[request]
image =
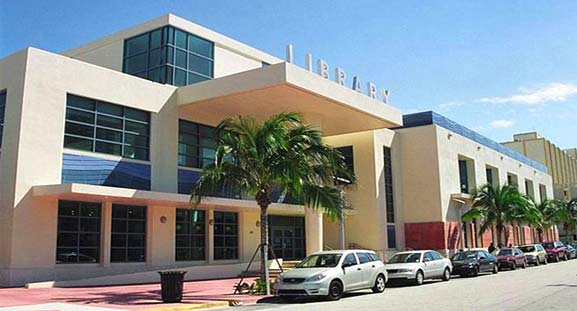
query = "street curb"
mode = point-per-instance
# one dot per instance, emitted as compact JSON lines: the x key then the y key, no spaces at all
{"x":192,"y":306}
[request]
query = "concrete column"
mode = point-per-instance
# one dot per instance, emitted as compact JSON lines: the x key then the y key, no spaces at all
{"x":210,"y":236}
{"x":106,"y":229}
{"x":313,"y":230}
{"x":160,"y":235}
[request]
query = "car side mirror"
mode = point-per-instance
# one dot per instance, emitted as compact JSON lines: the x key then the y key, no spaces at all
{"x":426,"y":260}
{"x":346,"y":264}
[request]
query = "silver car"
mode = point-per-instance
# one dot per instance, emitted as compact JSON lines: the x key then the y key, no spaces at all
{"x":417,"y":266}
{"x":333,"y":273}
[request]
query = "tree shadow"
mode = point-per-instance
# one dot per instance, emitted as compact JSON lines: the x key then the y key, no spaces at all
{"x":307,"y":299}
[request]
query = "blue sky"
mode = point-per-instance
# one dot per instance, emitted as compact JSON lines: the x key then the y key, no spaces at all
{"x":498,"y":67}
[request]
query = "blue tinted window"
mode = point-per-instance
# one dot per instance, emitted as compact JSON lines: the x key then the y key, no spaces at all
{"x":196,"y":144}
{"x":154,"y":55}
{"x":2,"y":111}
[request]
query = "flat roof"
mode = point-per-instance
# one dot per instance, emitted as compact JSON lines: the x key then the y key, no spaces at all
{"x":431,"y":117}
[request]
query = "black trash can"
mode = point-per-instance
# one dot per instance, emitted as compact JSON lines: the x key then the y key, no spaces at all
{"x":171,"y":283}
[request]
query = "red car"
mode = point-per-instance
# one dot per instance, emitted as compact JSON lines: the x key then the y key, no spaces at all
{"x":556,"y":251}
{"x":511,"y":258}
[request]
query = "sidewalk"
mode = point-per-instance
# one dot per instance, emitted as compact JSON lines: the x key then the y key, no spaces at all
{"x":128,"y":297}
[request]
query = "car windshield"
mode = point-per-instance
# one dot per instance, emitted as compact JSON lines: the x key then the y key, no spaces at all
{"x":465,"y":255}
{"x":405,"y":258}
{"x":527,"y":249}
{"x":320,"y":261}
{"x":548,"y":245}
{"x":505,"y":252}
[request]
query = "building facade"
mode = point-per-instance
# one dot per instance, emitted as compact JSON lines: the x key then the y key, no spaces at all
{"x":442,"y":162}
{"x":562,"y":164}
{"x":101,"y":145}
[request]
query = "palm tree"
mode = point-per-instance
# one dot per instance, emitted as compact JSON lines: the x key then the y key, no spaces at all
{"x":497,"y":207}
{"x":568,"y":214}
{"x":279,"y":154}
{"x":548,"y":215}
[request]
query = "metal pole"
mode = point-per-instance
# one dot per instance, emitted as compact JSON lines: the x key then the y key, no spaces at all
{"x":342,"y":222}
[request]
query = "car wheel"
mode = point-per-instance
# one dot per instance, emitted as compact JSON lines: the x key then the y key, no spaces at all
{"x":419,"y":278}
{"x":495,"y":269}
{"x":537,"y":262}
{"x":475,"y":271}
{"x":335,"y":290}
{"x":380,"y":284}
{"x":446,"y":274}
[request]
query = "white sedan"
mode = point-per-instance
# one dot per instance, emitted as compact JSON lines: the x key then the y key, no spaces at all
{"x":418,"y":266}
{"x":333,"y":273}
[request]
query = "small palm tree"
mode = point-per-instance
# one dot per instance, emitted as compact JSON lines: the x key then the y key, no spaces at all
{"x":548,"y":215}
{"x":497,"y":207}
{"x":279,"y":154}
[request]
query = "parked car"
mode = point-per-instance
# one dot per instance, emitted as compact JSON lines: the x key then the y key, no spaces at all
{"x":417,"y":266}
{"x":535,"y":253}
{"x":511,"y":258}
{"x":333,"y":273}
{"x":556,"y":251}
{"x":571,"y":251}
{"x":473,"y":262}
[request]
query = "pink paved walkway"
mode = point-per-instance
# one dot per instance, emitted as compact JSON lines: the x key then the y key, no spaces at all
{"x":129,"y":297}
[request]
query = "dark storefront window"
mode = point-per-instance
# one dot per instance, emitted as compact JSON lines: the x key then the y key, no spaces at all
{"x":169,"y":55}
{"x":128,"y":241}
{"x":225,"y":235}
{"x":190,"y":235}
{"x":97,"y":126}
{"x":78,"y":232}
{"x":389,"y":190}
{"x":463,"y":176}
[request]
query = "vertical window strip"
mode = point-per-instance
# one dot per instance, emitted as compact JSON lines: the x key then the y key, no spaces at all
{"x":225,"y":235}
{"x":190,"y":234}
{"x":3,"y":95}
{"x":389,"y":190}
{"x":128,"y":236}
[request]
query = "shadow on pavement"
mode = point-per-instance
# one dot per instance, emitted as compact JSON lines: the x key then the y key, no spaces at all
{"x":304,"y":300}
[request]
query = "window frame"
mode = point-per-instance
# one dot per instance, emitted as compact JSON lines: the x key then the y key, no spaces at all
{"x":79,"y":232}
{"x":199,"y":133}
{"x":126,"y":234}
{"x":98,"y":126}
{"x":225,"y":236}
{"x":190,"y":235}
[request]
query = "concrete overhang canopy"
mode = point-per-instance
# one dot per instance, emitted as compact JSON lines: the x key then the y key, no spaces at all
{"x":463,"y":198}
{"x":150,"y":198}
{"x":285,"y":87}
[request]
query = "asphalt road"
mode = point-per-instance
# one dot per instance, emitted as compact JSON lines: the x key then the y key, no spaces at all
{"x":550,"y":287}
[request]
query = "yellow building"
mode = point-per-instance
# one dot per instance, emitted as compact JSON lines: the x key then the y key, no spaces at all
{"x":562,"y":164}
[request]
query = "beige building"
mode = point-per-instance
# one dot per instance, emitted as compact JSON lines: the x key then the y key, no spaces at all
{"x":562,"y":164}
{"x":102,"y":144}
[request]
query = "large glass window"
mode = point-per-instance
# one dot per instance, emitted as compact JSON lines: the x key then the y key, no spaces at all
{"x":190,"y":235}
{"x":225,"y":235}
{"x":196,"y":144}
{"x":391,"y":236}
{"x":78,"y":232}
{"x":463,"y":176}
{"x":2,"y":111}
{"x":97,"y":126}
{"x":169,"y":55}
{"x":389,"y":193}
{"x":128,"y":240}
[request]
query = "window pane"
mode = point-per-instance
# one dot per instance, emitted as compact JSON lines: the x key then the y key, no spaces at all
{"x":136,"y":45}
{"x":136,"y":140}
{"x":112,"y":109}
{"x":136,"y":114}
{"x":156,"y":75}
{"x":81,"y":102}
{"x":200,"y":46}
{"x":80,"y":116}
{"x":108,"y":148}
{"x":136,"y":127}
{"x":136,"y":63}
{"x":79,"y":129}
{"x":128,"y":233}
{"x":180,"y":38}
{"x":135,"y":153}
{"x":156,"y":38}
{"x":111,"y":122}
{"x":169,"y":74}
{"x":179,"y":77}
{"x":200,"y":65}
{"x":155,"y":58}
{"x":180,"y":59}
{"x":194,"y":78}
{"x":78,"y":143}
{"x":111,"y":135}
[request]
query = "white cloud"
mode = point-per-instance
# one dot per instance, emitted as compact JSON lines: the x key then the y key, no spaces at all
{"x":449,"y":105}
{"x":502,"y":123}
{"x":553,"y":92}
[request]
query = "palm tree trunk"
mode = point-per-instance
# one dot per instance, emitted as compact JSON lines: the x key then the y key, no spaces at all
{"x":264,"y":273}
{"x":499,"y":235}
{"x":540,"y":234}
